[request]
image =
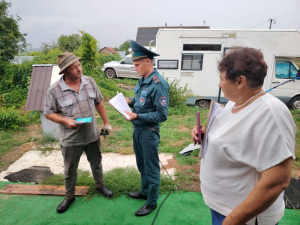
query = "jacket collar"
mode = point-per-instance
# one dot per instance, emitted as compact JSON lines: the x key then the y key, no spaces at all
{"x":149,"y":78}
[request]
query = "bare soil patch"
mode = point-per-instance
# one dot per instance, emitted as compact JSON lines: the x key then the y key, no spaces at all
{"x":183,"y":128}
{"x":34,"y":131}
{"x":191,"y":172}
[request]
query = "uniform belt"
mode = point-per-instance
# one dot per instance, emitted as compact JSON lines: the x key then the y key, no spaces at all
{"x":155,"y":129}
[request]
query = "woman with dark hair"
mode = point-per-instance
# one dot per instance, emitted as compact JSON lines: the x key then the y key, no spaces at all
{"x":250,"y":146}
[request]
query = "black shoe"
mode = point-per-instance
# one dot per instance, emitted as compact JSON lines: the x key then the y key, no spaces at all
{"x":105,"y":192}
{"x":64,"y":205}
{"x":145,"y":210}
{"x":137,"y":195}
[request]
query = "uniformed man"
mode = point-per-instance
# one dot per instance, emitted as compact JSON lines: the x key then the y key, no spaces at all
{"x":77,"y":96}
{"x":150,"y":107}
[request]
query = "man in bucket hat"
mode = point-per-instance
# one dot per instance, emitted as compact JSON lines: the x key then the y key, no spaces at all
{"x":76,"y":96}
{"x":150,"y":107}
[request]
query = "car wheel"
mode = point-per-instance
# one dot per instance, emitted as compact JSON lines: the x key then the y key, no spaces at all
{"x":110,"y":73}
{"x":295,"y":103}
{"x":203,"y":104}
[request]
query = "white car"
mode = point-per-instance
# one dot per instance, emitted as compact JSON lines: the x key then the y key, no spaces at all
{"x":123,"y":68}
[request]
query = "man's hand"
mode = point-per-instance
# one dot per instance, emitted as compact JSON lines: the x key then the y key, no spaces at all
{"x":71,"y":124}
{"x":132,"y":116}
{"x":105,"y":130}
{"x":127,"y":100}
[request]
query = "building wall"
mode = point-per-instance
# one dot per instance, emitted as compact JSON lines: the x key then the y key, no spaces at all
{"x":49,"y":128}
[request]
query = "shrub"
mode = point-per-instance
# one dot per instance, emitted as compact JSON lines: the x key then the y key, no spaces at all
{"x":107,"y":86}
{"x":14,"y":76}
{"x":15,"y":98}
{"x":10,"y":119}
{"x":102,"y":58}
{"x":48,"y":58}
{"x":176,"y":94}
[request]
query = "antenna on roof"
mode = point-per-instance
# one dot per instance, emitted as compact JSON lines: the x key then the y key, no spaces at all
{"x":204,"y":22}
{"x":271,"y":21}
{"x":165,"y":24}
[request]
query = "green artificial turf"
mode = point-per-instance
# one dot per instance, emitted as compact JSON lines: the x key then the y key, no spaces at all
{"x":179,"y":208}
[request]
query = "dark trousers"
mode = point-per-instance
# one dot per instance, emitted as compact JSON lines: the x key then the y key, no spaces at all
{"x":72,"y":156}
{"x":145,"y":144}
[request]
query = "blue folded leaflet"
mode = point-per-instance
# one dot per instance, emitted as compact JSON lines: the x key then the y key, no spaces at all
{"x":84,"y":120}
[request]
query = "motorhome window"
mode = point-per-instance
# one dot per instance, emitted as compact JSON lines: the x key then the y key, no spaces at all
{"x":201,"y":47}
{"x":285,"y":70}
{"x":154,"y":61}
{"x":127,"y":60}
{"x":167,"y":64}
{"x":192,"y":61}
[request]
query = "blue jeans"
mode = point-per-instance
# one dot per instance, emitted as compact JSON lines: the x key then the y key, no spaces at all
{"x":217,"y":218}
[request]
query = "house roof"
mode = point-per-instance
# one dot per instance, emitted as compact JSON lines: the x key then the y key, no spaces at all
{"x":39,"y":84}
{"x":110,"y":49}
{"x":146,"y":34}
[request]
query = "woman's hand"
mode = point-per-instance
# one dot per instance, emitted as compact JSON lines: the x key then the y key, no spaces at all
{"x":194,"y":133}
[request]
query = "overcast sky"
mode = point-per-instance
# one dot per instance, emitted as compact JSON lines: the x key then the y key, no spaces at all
{"x":112,"y":22}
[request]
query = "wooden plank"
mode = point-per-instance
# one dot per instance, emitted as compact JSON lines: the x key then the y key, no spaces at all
{"x":22,"y":189}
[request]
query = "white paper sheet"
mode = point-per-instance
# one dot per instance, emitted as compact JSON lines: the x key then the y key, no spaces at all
{"x":120,"y":104}
{"x":215,"y":111}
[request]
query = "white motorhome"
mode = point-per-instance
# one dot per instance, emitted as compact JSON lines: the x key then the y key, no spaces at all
{"x":191,"y":56}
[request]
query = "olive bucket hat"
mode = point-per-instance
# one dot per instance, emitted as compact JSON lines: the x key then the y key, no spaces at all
{"x":66,"y":59}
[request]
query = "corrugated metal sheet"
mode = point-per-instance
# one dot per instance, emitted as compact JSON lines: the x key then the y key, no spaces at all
{"x":146,"y":34}
{"x":39,"y":84}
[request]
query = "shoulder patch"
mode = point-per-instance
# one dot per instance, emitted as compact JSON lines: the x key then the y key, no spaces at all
{"x":156,"y":80}
{"x":163,"y":101}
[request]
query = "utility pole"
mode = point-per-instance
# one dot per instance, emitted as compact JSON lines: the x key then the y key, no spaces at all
{"x":271,"y":20}
{"x":204,"y":22}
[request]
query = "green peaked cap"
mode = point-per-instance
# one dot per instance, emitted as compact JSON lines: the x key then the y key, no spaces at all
{"x":140,"y":52}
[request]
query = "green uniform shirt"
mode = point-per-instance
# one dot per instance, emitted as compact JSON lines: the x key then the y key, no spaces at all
{"x":151,"y":100}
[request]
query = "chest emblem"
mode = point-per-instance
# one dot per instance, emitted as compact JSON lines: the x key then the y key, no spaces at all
{"x":163,"y":101}
{"x":142,"y":101}
{"x":145,"y":92}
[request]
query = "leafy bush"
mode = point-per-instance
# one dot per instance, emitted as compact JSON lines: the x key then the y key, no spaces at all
{"x":88,"y":49}
{"x":102,"y":58}
{"x":10,"y":119}
{"x":14,"y":76}
{"x":49,"y":58}
{"x":176,"y":94}
{"x":15,"y":98}
{"x":107,"y":86}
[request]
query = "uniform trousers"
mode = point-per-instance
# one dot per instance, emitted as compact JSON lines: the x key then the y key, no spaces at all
{"x":72,"y":156}
{"x":145,"y":144}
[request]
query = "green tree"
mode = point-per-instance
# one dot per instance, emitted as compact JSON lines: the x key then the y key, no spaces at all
{"x":125,"y":46}
{"x":69,"y":43}
{"x":46,"y":47}
{"x":88,"y":49}
{"x":12,"y":40}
